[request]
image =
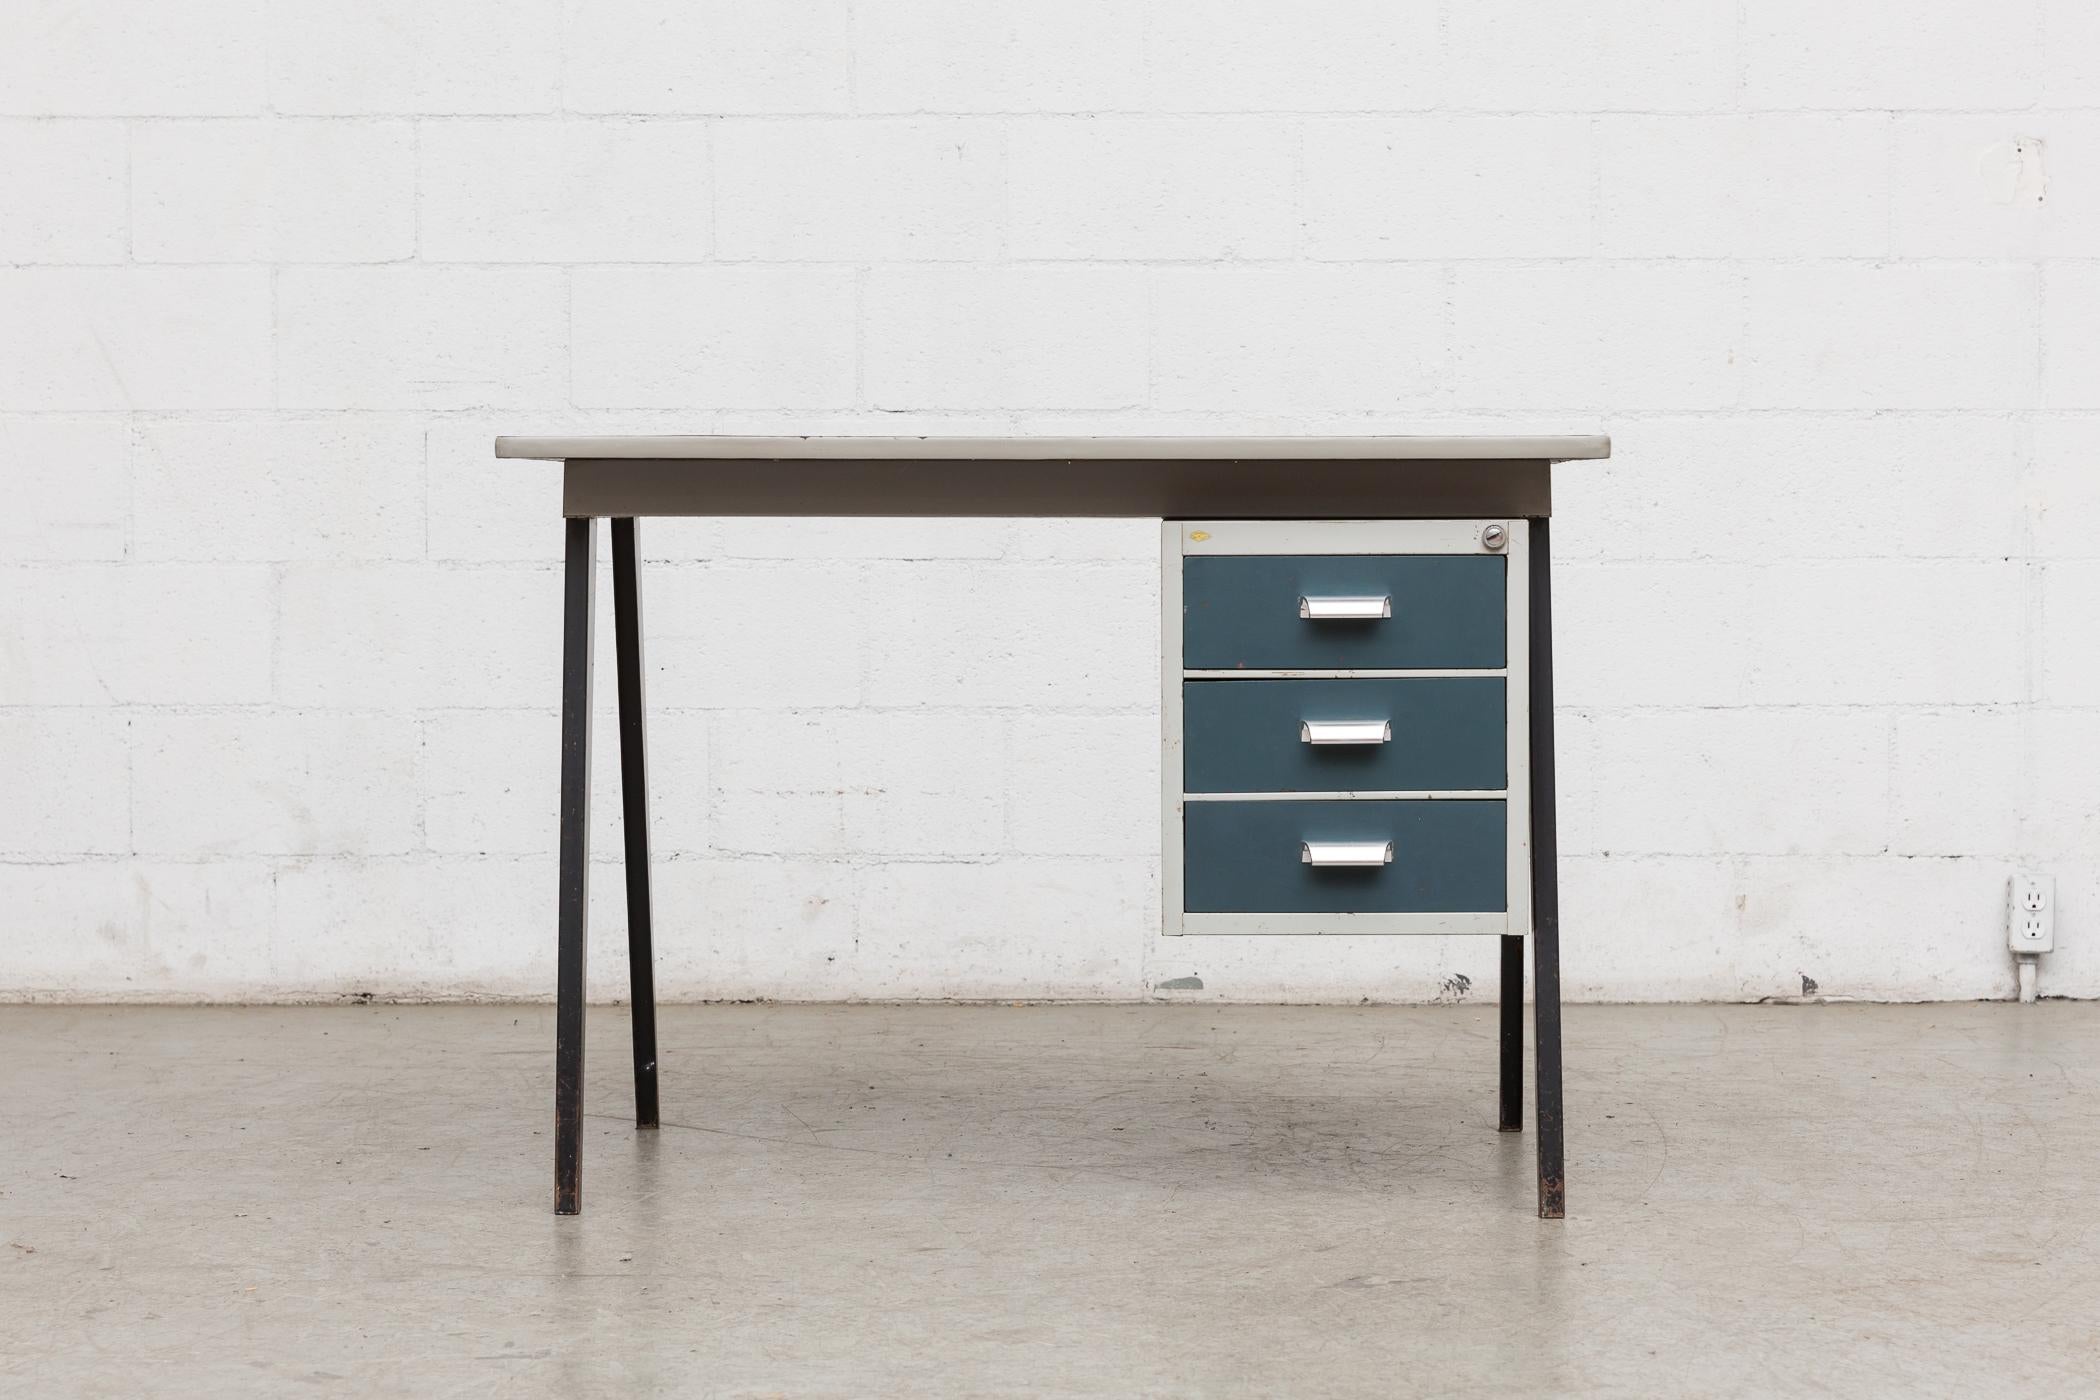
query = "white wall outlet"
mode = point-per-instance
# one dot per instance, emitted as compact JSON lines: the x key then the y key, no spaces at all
{"x":2030,"y":913}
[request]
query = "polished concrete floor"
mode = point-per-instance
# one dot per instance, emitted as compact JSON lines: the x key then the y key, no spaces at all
{"x":1053,"y":1201}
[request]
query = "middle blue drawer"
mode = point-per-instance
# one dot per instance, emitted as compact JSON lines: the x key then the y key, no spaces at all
{"x":1438,"y":733}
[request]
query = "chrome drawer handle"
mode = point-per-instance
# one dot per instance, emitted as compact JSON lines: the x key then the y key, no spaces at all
{"x":1346,"y":853}
{"x":1345,"y":609}
{"x":1345,"y":731}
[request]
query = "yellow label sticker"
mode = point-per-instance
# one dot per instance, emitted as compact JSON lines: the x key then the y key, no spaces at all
{"x":1199,"y":534}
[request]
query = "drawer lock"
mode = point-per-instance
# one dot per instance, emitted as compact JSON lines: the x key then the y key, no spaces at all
{"x":1346,"y":853}
{"x":1346,"y":731}
{"x":1345,"y":609}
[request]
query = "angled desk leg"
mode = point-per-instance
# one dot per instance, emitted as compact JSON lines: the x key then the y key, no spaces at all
{"x":634,"y":813}
{"x":1511,"y":1117}
{"x":1545,"y":886}
{"x":579,"y":588}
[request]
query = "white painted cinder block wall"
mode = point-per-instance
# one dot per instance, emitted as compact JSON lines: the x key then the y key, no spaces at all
{"x":278,"y":636}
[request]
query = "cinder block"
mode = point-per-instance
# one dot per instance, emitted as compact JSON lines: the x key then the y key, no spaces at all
{"x":1886,"y":632}
{"x":205,"y":58}
{"x":1768,"y":185}
{"x":1005,"y":337}
{"x":1921,"y":54}
{"x":1320,"y":55}
{"x":2070,"y":662}
{"x":1867,"y":632}
{"x":126,"y":930}
{"x":386,"y":56}
{"x":835,"y":781}
{"x":332,"y":488}
{"x":1871,"y":927}
{"x":1350,"y":339}
{"x":130,"y":634}
{"x":1766,"y":487}
{"x":418,"y":636}
{"x":773,"y":337}
{"x":2063,"y":487}
{"x":1581,"y":336}
{"x":405,"y":926}
{"x":1079,"y":785}
{"x":1655,"y":928}
{"x":134,"y":338}
{"x":420,"y":337}
{"x":2059,"y":804}
{"x":754,"y":927}
{"x":818,"y":538}
{"x":1959,"y":782}
{"x":2071,"y":335}
{"x":1819,"y":336}
{"x":1450,"y":187}
{"x":1009,"y":928}
{"x":768,"y":636}
{"x":1735,"y":782}
{"x":564,"y":191}
{"x":706,"y":57}
{"x":68,"y":784}
{"x":79,"y":503}
{"x":1607,"y":55}
{"x":2070,"y":56}
{"x":852,"y":190}
{"x":70,"y":179}
{"x":1142,"y":187}
{"x":490,"y":780}
{"x":273,"y":191}
{"x":962,"y":635}
{"x":2011,"y":185}
{"x":273,"y":783}
{"x":1022,"y":56}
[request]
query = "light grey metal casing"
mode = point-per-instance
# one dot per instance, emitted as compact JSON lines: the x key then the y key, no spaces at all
{"x":1180,"y":539}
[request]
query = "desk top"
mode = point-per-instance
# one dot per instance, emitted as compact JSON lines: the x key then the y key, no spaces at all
{"x":1057,"y":449}
{"x":1262,"y":478}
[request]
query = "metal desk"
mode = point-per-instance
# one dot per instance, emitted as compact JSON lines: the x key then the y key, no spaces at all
{"x":1474,"y":861}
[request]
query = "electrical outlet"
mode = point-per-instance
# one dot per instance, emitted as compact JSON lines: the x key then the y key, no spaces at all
{"x":2030,"y":914}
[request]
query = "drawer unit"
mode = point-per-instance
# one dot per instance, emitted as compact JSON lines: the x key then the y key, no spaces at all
{"x":1345,"y":857}
{"x":1329,"y":611}
{"x":1346,"y":740}
{"x":1388,"y":734}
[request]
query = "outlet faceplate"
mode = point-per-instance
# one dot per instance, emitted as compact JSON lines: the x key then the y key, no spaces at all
{"x":2030,"y":913}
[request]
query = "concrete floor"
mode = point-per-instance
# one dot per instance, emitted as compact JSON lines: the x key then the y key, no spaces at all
{"x":1054,"y":1201}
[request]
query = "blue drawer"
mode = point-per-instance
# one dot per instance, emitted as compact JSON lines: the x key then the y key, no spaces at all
{"x":1447,"y":732}
{"x":1242,"y":611}
{"x":1448,"y":856}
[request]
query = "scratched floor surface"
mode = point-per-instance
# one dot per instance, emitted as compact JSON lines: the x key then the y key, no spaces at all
{"x":1055,"y":1201}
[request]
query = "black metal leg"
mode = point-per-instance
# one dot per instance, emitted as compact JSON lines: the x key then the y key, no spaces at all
{"x":1511,"y":1117}
{"x":579,"y":588}
{"x":1545,"y":886}
{"x":634,"y":813}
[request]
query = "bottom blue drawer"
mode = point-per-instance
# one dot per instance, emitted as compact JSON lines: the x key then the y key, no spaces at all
{"x":1250,"y":857}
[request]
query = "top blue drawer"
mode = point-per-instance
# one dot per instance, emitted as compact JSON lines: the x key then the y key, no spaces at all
{"x":1242,"y":612}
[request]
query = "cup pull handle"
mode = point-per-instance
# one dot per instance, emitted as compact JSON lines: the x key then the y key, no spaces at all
{"x":1345,"y":731}
{"x":1346,"y":853}
{"x":1363,"y":609}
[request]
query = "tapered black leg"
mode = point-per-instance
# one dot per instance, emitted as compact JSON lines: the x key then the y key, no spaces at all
{"x":1511,"y":1117}
{"x":579,"y":587}
{"x":1545,"y":887}
{"x":634,"y":813}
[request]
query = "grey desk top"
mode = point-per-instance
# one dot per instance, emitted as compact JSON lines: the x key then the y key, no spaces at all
{"x":1055,"y":449}
{"x":1291,"y":478}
